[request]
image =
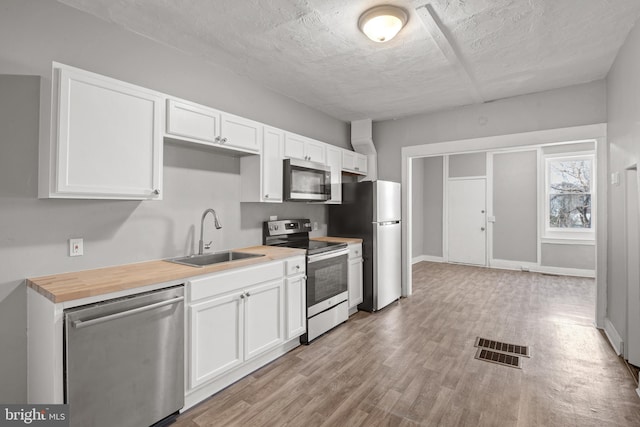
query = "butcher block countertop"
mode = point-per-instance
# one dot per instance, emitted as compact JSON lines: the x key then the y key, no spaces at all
{"x":71,"y":286}
{"x":338,"y":239}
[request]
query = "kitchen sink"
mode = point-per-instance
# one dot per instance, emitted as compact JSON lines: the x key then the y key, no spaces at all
{"x":214,"y":258}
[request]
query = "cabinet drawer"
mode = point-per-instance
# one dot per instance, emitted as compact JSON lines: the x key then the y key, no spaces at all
{"x":355,"y":250}
{"x":231,"y":280}
{"x":295,"y":266}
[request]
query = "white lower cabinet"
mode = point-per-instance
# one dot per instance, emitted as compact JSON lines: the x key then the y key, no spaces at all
{"x":241,"y":319}
{"x":215,"y":350}
{"x":355,"y":275}
{"x":264,"y":318}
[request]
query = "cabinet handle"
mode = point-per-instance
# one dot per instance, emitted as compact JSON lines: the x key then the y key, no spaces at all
{"x":241,"y":296}
{"x":156,"y":191}
{"x":247,"y":294}
{"x":266,"y":196}
{"x":224,"y":140}
{"x":217,"y":139}
{"x":297,"y":267}
{"x":357,"y":168}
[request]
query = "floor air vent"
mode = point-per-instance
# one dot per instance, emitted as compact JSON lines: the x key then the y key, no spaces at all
{"x":497,"y":357}
{"x":519,"y":350}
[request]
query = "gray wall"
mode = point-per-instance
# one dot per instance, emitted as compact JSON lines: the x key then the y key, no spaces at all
{"x":468,"y":164}
{"x":515,"y":206}
{"x":418,"y":207}
{"x":427,"y":190}
{"x":34,"y":233}
{"x":571,"y":106}
{"x":623,"y":135}
{"x":433,"y":206}
{"x":568,"y":256}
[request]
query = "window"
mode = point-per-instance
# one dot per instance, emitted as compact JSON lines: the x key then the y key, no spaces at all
{"x":569,"y":196}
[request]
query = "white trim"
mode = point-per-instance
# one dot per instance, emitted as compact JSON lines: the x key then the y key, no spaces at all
{"x":488,"y":208}
{"x":583,"y":242}
{"x":507,"y":264}
{"x":463,"y":178}
{"x":427,"y":258}
{"x":525,"y":139}
{"x":445,"y":207}
{"x":614,"y":337}
{"x":533,"y":267}
{"x":540,"y":200}
{"x":563,"y":271}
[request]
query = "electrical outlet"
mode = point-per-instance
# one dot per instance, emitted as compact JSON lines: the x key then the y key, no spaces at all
{"x":315,"y":226}
{"x":76,"y":247}
{"x":273,"y":218}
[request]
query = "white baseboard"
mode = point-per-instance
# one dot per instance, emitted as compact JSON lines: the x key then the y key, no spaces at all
{"x":506,"y":264}
{"x":429,"y":258}
{"x":613,"y":336}
{"x":536,"y":268}
{"x":577,"y":272}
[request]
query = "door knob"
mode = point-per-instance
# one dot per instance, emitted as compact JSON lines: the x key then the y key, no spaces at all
{"x":481,"y":228}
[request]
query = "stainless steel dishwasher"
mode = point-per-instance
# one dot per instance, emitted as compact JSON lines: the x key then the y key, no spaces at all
{"x":124,"y":360}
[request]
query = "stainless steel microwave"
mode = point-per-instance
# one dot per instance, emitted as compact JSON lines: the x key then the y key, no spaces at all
{"x":306,"y":181}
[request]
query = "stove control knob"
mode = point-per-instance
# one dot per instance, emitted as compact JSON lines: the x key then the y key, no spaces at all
{"x":276,"y":227}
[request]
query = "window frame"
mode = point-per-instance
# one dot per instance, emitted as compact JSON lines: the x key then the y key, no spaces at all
{"x":569,"y":233}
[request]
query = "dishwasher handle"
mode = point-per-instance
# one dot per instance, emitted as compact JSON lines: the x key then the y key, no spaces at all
{"x":79,"y":324}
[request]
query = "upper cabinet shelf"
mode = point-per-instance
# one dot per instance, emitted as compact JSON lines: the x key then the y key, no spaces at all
{"x":197,"y":123}
{"x":104,"y":139}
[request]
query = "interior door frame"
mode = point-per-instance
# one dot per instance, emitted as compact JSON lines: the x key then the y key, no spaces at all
{"x":594,"y":132}
{"x":630,"y":175}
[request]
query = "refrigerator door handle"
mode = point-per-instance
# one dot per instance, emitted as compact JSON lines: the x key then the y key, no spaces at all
{"x":386,"y":222}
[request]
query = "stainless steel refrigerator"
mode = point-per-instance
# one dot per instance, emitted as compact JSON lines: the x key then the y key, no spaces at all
{"x":371,"y":210}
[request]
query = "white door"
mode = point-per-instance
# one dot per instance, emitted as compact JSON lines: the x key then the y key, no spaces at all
{"x":216,"y":337}
{"x":633,"y":269}
{"x":264,"y":318}
{"x":296,"y":306}
{"x":467,"y":221}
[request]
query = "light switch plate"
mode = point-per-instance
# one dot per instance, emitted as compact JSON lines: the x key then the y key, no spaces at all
{"x":76,"y":247}
{"x":615,"y":178}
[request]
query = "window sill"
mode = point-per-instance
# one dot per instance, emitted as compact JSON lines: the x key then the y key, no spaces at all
{"x":587,"y":241}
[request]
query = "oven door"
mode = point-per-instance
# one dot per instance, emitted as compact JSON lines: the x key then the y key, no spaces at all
{"x":327,"y":276}
{"x":306,"y":181}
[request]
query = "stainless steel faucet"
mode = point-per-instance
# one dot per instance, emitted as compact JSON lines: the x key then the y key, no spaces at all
{"x":202,"y":246}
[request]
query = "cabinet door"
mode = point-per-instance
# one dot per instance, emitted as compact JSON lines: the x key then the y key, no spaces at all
{"x":272,"y":165}
{"x":361,"y":163}
{"x":239,"y":132}
{"x":264,"y":318}
{"x":294,"y":146}
{"x":334,"y":161}
{"x":315,"y":151}
{"x":185,"y":120}
{"x":216,"y":337}
{"x":348,"y":160}
{"x":109,"y":142}
{"x":355,"y":282}
{"x":296,"y":306}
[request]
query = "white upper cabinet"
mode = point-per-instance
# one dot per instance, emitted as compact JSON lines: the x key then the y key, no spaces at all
{"x":303,"y":148}
{"x":197,"y":123}
{"x":262,"y":175}
{"x":105,"y":140}
{"x":354,"y":162}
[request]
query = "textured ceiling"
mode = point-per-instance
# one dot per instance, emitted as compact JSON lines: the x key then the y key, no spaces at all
{"x":451,"y":53}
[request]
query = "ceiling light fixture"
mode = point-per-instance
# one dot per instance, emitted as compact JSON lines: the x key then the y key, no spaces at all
{"x":382,"y":23}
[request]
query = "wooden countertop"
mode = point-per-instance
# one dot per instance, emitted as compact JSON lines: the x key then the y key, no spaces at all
{"x":338,"y":239}
{"x":70,"y":286}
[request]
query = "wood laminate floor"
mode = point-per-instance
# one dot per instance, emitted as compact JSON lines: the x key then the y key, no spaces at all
{"x":413,"y":363}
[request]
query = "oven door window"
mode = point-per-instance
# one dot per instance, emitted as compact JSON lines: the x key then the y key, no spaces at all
{"x":326,"y":278}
